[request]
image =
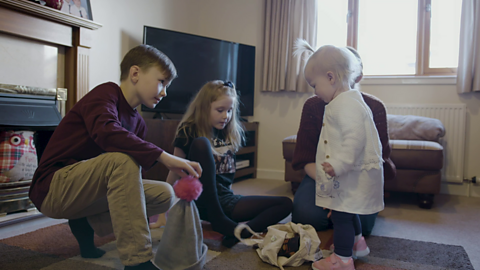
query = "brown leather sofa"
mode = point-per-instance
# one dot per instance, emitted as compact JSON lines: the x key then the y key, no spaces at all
{"x":416,"y":153}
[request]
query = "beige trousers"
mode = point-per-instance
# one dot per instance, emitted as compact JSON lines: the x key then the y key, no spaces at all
{"x":109,"y":191}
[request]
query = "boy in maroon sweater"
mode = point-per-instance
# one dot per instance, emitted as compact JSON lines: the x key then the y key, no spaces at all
{"x":90,"y":172}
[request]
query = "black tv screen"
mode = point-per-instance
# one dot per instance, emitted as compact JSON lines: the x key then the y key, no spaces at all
{"x":199,"y":60}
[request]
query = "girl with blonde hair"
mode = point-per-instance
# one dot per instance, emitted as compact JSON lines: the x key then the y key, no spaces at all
{"x":211,"y":133}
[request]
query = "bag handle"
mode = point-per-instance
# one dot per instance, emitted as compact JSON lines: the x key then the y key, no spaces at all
{"x":247,"y":241}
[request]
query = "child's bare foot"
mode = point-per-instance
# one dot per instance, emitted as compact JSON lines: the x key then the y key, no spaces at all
{"x":161,"y":221}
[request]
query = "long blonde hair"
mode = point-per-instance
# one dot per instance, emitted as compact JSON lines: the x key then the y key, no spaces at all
{"x":196,"y":121}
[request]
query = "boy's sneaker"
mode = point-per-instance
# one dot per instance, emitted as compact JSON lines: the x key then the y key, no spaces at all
{"x":333,"y":262}
{"x":360,"y":249}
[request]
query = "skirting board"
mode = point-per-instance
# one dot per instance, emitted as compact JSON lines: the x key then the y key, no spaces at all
{"x":271,"y":174}
{"x":474,"y":190}
{"x":464,"y":189}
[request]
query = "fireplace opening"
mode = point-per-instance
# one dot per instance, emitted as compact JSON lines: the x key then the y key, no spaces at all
{"x":30,"y":109}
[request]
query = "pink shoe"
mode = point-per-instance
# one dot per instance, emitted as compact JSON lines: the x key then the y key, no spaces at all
{"x":360,"y":249}
{"x":333,"y":262}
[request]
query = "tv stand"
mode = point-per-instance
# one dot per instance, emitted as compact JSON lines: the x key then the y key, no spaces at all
{"x":161,"y":132}
{"x":249,"y":151}
{"x":159,"y":115}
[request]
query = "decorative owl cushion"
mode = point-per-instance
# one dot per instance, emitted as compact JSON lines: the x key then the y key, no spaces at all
{"x":18,"y":157}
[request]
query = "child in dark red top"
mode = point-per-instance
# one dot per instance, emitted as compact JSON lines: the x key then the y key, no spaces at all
{"x":90,"y":172}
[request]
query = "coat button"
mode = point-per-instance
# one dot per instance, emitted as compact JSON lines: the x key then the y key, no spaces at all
{"x":325,"y":141}
{"x":328,"y":156}
{"x":323,"y":124}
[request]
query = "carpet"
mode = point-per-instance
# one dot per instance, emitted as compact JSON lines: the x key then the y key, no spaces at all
{"x":54,"y":248}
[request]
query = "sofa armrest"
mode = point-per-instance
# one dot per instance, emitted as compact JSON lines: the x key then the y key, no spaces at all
{"x":291,"y":175}
{"x":289,"y":147}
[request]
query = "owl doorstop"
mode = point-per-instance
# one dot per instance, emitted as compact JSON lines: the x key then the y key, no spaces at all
{"x":18,"y":157}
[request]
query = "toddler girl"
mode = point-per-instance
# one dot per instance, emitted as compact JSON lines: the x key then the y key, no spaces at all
{"x":349,"y":164}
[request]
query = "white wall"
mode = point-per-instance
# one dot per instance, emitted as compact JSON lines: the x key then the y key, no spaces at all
{"x":243,"y":21}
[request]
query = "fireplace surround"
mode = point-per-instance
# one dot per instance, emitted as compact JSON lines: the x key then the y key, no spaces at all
{"x":36,"y":23}
{"x":32,"y":109}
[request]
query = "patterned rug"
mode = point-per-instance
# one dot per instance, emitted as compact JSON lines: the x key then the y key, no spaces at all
{"x":55,"y":248}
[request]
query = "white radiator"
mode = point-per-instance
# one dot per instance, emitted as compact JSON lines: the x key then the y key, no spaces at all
{"x":453,"y":117}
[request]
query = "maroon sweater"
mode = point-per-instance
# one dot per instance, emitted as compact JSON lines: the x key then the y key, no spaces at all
{"x":102,"y":121}
{"x":311,"y":126}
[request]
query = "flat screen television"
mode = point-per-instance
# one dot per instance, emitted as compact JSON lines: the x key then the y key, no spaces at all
{"x":199,"y":60}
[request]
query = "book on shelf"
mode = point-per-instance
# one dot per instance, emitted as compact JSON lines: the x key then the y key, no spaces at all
{"x":240,"y":164}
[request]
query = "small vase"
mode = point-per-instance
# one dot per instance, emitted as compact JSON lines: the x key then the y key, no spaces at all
{"x":56,"y":4}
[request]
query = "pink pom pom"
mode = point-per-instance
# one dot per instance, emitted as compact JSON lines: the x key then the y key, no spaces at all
{"x":188,"y":188}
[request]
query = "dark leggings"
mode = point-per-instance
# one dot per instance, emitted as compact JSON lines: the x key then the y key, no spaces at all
{"x":345,"y":227}
{"x":201,"y":152}
{"x":260,"y":211}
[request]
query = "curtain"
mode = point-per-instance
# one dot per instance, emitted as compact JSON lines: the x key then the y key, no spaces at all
{"x":285,"y":21}
{"x":468,"y":72}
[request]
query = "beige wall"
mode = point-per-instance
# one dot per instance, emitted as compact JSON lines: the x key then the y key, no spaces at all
{"x":243,"y":21}
{"x":238,"y":21}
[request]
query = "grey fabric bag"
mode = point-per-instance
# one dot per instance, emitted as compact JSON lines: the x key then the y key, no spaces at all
{"x":181,"y":246}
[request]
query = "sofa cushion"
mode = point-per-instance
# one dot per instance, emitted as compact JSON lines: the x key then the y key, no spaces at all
{"x":412,"y":127}
{"x":416,"y":155}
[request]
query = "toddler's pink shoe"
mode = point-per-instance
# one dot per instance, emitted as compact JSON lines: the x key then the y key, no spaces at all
{"x":360,"y":249}
{"x":333,"y":262}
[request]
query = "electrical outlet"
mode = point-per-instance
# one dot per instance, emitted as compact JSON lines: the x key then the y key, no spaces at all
{"x":472,"y":180}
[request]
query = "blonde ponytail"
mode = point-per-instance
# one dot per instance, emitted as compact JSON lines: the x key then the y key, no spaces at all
{"x":301,"y":46}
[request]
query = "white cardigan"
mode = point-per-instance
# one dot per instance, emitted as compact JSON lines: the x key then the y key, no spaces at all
{"x":349,"y":141}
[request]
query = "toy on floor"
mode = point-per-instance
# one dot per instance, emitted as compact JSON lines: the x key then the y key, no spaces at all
{"x":188,"y":189}
{"x":181,"y":246}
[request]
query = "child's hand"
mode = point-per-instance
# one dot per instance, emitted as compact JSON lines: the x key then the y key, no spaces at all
{"x":180,"y":166}
{"x":329,"y":212}
{"x":328,"y":169}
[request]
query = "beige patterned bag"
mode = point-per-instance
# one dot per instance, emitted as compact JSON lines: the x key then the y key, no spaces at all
{"x":270,"y":245}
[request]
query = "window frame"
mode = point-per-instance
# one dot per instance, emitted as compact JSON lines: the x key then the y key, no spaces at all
{"x":423,"y":38}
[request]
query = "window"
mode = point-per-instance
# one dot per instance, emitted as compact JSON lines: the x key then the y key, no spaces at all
{"x":331,"y":22}
{"x":395,"y":37}
{"x":444,"y":33}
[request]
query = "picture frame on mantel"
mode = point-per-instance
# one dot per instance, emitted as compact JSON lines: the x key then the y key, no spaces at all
{"x":79,"y":8}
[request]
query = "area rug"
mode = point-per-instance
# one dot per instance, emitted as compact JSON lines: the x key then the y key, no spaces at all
{"x":54,"y":248}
